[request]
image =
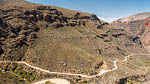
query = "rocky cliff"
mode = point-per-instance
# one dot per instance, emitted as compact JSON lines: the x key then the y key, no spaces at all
{"x":135,"y":25}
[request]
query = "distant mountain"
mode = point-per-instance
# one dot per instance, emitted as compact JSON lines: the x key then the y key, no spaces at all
{"x":135,"y":25}
{"x":136,"y":17}
{"x":109,"y":20}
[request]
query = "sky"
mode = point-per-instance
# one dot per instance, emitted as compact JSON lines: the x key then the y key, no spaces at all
{"x":105,"y":9}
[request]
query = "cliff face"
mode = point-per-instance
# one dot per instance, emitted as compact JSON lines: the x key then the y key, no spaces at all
{"x":146,"y":35}
{"x":135,"y":25}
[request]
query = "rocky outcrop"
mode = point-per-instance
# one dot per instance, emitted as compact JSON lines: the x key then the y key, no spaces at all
{"x":102,"y":25}
{"x":48,"y":18}
{"x":94,"y":18}
{"x":134,"y":79}
{"x":41,"y":7}
{"x":15,"y":36}
{"x":58,"y":25}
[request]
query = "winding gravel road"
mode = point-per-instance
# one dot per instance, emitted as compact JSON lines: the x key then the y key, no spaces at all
{"x":60,"y":81}
{"x":71,"y":74}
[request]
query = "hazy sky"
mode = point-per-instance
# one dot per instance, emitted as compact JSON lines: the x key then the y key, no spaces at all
{"x":103,"y":8}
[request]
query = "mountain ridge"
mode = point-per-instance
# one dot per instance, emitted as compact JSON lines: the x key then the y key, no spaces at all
{"x":135,"y":17}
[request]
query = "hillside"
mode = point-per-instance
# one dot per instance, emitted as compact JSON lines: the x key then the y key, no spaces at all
{"x":62,"y":40}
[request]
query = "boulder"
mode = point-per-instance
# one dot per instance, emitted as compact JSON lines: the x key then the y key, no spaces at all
{"x":27,"y":12}
{"x":58,"y":13}
{"x":134,"y":39}
{"x":53,"y":9}
{"x":21,"y":37}
{"x":12,"y":35}
{"x":32,"y":18}
{"x":99,"y":36}
{"x":9,"y":10}
{"x":25,"y":32}
{"x":107,"y":39}
{"x":98,"y":66}
{"x":99,"y":27}
{"x":40,"y":17}
{"x":35,"y":29}
{"x":16,"y":43}
{"x":82,"y":23}
{"x":72,"y":24}
{"x":105,"y":23}
{"x":128,"y":44}
{"x":48,"y":18}
{"x":58,"y":25}
{"x":2,"y":39}
{"x":33,"y":35}
{"x":34,"y":12}
{"x":3,"y":34}
{"x":25,"y":27}
{"x":117,"y":34}
{"x":56,"y":18}
{"x":3,"y":23}
{"x":94,"y":17}
{"x":104,"y":35}
{"x":64,"y":19}
{"x":41,"y":7}
{"x":1,"y":51}
{"x":84,"y":17}
{"x":22,"y":17}
{"x":77,"y":15}
{"x":16,"y":29}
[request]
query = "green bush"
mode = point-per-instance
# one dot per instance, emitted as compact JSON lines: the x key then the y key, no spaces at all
{"x":21,"y":79}
{"x":14,"y":67}
{"x":24,"y":74}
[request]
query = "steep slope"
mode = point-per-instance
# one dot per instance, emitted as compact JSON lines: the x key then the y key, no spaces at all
{"x":21,"y":25}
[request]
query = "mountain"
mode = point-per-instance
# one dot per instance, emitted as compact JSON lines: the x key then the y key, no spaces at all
{"x":136,"y":17}
{"x":135,"y":25}
{"x":62,"y":40}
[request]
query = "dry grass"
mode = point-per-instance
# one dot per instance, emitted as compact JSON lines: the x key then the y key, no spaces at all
{"x":57,"y":47}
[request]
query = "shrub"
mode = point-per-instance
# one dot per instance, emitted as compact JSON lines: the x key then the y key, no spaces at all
{"x":5,"y":67}
{"x":48,"y":82}
{"x":130,"y":82}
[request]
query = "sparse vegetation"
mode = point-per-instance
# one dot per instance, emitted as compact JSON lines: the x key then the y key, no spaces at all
{"x":49,"y":82}
{"x":131,"y":82}
{"x":148,"y":62}
{"x":19,"y":72}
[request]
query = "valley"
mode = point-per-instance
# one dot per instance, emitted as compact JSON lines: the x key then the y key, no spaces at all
{"x":41,"y":43}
